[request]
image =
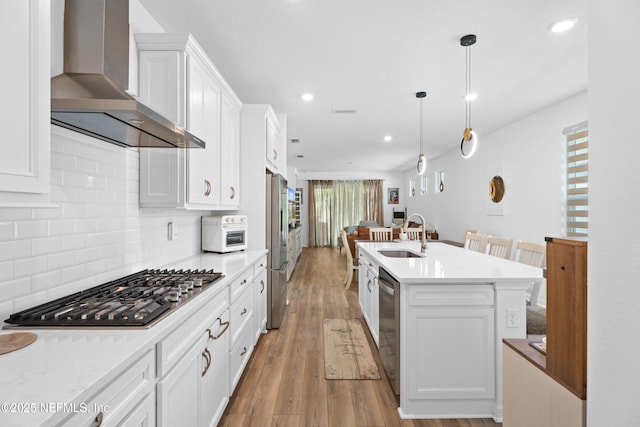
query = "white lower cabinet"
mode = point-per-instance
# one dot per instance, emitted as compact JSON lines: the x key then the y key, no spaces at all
{"x":260,"y":291}
{"x":368,"y":294}
{"x":447,"y":351}
{"x":128,"y":400}
{"x":242,"y":328}
{"x":195,"y":390}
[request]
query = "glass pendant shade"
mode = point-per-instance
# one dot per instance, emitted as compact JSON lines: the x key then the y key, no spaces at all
{"x":421,"y":165}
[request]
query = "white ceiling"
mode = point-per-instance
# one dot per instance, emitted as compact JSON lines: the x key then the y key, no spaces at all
{"x":374,"y":55}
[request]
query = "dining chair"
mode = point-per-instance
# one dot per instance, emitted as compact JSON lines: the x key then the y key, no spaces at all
{"x":414,"y":233}
{"x":499,"y":247}
{"x":380,"y":233}
{"x":352,"y":265}
{"x":467,"y":231}
{"x":533,"y":254}
{"x":475,"y":242}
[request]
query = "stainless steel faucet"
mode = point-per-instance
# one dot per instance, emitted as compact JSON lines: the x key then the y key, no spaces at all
{"x":423,"y":246}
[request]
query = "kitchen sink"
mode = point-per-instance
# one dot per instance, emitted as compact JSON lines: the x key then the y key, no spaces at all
{"x":400,"y":254}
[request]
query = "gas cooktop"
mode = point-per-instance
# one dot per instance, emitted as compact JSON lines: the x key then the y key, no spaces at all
{"x":137,"y":300}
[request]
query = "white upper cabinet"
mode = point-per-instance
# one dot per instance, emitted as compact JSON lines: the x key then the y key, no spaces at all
{"x":25,"y":113}
{"x":265,"y":131}
{"x":179,"y":81}
{"x":230,"y":152}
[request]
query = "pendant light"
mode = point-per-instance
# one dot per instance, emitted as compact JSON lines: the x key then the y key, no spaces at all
{"x":469,"y":141}
{"x":421,"y":166}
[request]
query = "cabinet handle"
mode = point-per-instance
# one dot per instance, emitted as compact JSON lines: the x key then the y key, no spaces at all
{"x":207,"y":357}
{"x":243,"y":282}
{"x":243,"y":312}
{"x":233,"y":193}
{"x":261,"y":286}
{"x":275,"y":155}
{"x":369,"y":285}
{"x":208,"y":190}
{"x":98,"y":419}
{"x":244,"y":351}
{"x":225,"y":326}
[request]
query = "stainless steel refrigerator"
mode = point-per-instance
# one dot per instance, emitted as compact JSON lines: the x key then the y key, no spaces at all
{"x":277,"y":234}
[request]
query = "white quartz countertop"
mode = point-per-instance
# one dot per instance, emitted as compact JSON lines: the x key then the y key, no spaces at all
{"x":69,"y":365}
{"x":445,"y":263}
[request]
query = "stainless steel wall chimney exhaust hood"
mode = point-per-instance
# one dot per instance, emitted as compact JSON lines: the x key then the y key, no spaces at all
{"x":89,"y":96}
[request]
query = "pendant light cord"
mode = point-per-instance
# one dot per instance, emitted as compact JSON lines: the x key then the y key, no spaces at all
{"x":421,"y":116}
{"x":468,"y":89}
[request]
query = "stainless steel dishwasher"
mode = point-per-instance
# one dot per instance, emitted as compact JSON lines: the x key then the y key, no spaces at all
{"x":389,"y":340}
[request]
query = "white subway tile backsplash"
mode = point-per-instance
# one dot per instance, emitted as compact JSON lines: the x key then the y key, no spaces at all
{"x":15,"y":249}
{"x":29,"y":266}
{"x":15,"y":214}
{"x":12,"y":289}
{"x":62,"y":227}
{"x":7,"y":231}
{"x":31,"y":229}
{"x":46,"y":281}
{"x":97,"y":232}
{"x":46,"y":245}
{"x":60,"y":260}
{"x":6,"y":271}
{"x":72,"y":242}
{"x":74,"y":273}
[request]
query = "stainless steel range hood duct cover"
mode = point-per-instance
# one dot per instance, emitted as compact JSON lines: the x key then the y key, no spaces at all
{"x":89,"y":96}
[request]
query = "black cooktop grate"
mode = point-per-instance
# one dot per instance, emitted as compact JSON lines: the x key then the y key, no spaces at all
{"x":135,"y":300}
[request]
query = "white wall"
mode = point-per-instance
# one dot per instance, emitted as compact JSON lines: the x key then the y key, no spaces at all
{"x":613,"y":371}
{"x":529,"y":154}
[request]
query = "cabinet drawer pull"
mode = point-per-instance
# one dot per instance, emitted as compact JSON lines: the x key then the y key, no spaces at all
{"x":243,"y":282}
{"x":99,"y":418}
{"x":369,"y":285}
{"x":207,"y":358}
{"x":244,"y":351}
{"x":232,"y":194}
{"x":243,"y":312}
{"x":208,"y":190}
{"x":225,"y":326}
{"x":261,"y":286}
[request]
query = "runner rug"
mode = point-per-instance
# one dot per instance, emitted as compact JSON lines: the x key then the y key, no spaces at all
{"x":347,"y":355}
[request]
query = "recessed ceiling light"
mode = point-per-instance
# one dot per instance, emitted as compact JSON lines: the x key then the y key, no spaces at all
{"x":471,"y":97}
{"x":388,"y":138}
{"x":307,"y":97}
{"x":562,"y":25}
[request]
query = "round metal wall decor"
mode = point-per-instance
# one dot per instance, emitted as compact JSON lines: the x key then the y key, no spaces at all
{"x":496,"y":189}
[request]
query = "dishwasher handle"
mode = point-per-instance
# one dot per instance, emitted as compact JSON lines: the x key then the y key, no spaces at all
{"x":386,"y":282}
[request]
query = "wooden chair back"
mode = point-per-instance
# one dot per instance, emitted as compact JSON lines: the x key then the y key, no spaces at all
{"x":351,"y":264}
{"x":475,"y":242}
{"x":380,"y":233}
{"x":499,"y":247}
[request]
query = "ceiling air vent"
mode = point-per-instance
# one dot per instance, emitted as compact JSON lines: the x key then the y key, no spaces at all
{"x":295,"y":141}
{"x":344,"y":110}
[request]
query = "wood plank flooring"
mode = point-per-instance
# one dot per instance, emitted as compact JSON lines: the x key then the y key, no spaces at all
{"x":284,"y":384}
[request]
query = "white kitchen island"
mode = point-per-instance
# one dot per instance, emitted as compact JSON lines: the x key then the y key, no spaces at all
{"x":455,"y":308}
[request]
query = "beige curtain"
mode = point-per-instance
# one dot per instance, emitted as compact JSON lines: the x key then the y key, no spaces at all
{"x":336,"y":204}
{"x":320,"y":198}
{"x":372,"y":195}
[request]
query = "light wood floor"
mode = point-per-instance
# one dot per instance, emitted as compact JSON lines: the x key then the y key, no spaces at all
{"x":284,"y":384}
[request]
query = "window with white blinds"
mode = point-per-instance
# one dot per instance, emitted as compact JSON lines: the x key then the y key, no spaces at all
{"x":577,"y":145}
